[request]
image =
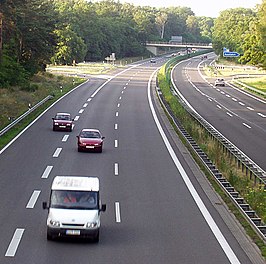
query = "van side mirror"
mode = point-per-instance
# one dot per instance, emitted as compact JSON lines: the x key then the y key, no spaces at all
{"x":44,"y":205}
{"x":103,"y":137}
{"x":103,"y":209}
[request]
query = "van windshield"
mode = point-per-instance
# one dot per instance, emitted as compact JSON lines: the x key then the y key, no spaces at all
{"x":74,"y":199}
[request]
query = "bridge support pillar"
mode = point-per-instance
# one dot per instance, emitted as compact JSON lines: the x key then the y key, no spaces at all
{"x":152,"y":49}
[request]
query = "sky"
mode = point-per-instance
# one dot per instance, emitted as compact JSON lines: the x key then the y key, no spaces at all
{"x":209,"y":8}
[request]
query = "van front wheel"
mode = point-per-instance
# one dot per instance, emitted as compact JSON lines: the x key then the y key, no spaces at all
{"x":96,"y":238}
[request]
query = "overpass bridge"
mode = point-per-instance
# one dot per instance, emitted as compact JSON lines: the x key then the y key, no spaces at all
{"x":153,"y":46}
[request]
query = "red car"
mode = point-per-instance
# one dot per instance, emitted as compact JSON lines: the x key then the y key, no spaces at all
{"x":90,"y":139}
{"x":62,"y":121}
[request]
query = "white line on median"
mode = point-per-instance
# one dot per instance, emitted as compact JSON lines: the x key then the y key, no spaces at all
{"x":246,"y":125}
{"x":12,"y":248}
{"x":65,"y":138}
{"x":117,"y":212}
{"x":250,"y":108}
{"x":116,"y":169}
{"x":47,"y":172}
{"x":262,"y":115}
{"x":33,"y":199}
{"x":57,"y":152}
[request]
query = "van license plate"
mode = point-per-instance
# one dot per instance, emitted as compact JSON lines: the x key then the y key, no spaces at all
{"x":73,"y":232}
{"x":90,"y":147}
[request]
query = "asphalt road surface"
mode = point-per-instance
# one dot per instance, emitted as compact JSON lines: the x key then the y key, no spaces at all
{"x":238,"y":115}
{"x":160,"y":209}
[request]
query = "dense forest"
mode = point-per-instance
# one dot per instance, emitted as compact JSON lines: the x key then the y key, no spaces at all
{"x":34,"y":33}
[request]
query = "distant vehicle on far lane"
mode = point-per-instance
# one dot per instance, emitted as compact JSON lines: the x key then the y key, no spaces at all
{"x":63,"y":121}
{"x":90,"y":139}
{"x":219,"y":82}
{"x":153,"y":60}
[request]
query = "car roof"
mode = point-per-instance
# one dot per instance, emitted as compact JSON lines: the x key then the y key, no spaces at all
{"x":78,"y":183}
{"x":90,"y":129}
{"x":63,"y":114}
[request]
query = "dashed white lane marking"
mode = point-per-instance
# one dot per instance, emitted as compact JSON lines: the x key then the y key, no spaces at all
{"x":116,"y":126}
{"x":246,"y":125}
{"x":262,"y":115}
{"x":12,"y":248}
{"x":250,"y":108}
{"x":65,"y":138}
{"x":85,"y":105}
{"x":81,"y":111}
{"x":116,"y":169}
{"x":219,"y":106}
{"x":118,"y":105}
{"x":47,"y":172}
{"x":122,"y":92}
{"x":229,"y":114}
{"x":210,"y":99}
{"x":116,"y":143}
{"x":57,"y":152}
{"x":241,"y":103}
{"x":117,"y":212}
{"x":234,"y":99}
{"x":33,"y":199}
{"x":120,"y":97}
{"x":227,"y":95}
{"x":89,"y":100}
{"x":76,"y":118}
{"x":116,"y":114}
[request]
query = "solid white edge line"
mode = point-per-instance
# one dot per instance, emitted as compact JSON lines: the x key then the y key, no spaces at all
{"x":47,"y":172}
{"x":12,"y":248}
{"x":214,"y":228}
{"x":117,"y":212}
{"x":33,"y":199}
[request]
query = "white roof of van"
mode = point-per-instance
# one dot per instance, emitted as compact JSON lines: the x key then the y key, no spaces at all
{"x":79,"y":183}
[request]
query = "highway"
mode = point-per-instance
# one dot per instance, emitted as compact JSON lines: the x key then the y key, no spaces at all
{"x":160,"y":208}
{"x":239,"y":116}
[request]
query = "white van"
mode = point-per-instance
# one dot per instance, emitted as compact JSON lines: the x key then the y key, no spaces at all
{"x":74,"y":208}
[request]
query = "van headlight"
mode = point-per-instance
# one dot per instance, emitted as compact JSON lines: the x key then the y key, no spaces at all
{"x":54,"y":223}
{"x":91,"y":225}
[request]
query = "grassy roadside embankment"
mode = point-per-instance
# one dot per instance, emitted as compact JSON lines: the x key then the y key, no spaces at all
{"x":254,"y":194}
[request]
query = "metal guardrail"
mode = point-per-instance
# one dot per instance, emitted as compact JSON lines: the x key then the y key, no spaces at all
{"x":250,"y":215}
{"x":247,"y":86}
{"x":3,"y":131}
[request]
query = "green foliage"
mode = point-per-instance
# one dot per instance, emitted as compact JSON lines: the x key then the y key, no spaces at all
{"x":11,"y":72}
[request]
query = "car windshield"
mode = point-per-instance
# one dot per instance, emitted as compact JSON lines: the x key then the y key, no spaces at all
{"x":74,"y":199}
{"x":90,"y":134}
{"x":62,"y":117}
